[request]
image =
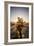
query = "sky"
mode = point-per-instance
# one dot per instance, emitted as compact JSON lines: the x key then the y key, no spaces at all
{"x":21,"y":12}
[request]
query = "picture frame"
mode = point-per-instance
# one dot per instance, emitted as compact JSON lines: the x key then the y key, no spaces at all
{"x":19,"y":9}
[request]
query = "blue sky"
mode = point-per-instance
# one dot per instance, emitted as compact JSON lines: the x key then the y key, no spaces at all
{"x":21,"y":12}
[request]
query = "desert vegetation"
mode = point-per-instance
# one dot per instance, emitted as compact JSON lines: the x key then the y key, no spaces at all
{"x":19,"y":30}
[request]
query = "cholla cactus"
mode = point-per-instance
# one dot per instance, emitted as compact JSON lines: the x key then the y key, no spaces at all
{"x":20,"y":26}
